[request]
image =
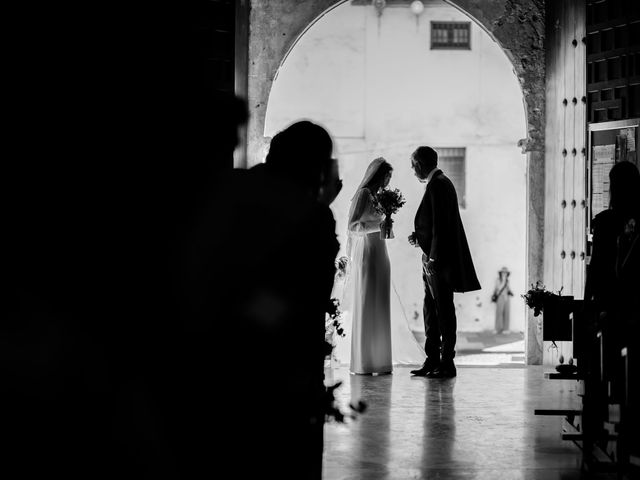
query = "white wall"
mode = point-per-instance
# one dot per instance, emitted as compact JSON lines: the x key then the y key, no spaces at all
{"x":380,"y":90}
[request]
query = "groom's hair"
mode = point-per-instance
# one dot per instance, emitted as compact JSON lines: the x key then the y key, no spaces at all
{"x":426,"y":157}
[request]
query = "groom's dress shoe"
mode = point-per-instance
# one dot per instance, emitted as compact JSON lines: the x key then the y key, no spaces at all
{"x":443,"y":372}
{"x":424,"y":370}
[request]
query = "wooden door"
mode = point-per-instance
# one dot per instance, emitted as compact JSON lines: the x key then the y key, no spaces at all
{"x":565,"y":156}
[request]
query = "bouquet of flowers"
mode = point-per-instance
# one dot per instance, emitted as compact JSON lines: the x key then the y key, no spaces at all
{"x":537,"y":296}
{"x":388,"y":202}
{"x":332,"y":327}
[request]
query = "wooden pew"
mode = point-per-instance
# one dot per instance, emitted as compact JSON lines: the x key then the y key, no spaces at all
{"x":629,"y":449}
{"x":589,"y":428}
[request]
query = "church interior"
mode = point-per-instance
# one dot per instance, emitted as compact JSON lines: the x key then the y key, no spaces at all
{"x":124,"y":357}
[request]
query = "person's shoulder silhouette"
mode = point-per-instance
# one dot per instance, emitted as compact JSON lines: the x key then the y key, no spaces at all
{"x":268,"y":251}
{"x":609,"y":233}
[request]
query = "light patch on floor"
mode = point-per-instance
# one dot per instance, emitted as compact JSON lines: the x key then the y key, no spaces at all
{"x":489,"y":359}
{"x":513,"y":347}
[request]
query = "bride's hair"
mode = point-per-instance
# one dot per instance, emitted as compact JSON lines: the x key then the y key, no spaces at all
{"x":378,"y":177}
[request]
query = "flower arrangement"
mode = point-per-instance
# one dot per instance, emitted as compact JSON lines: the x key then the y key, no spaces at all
{"x":537,"y":296}
{"x":332,"y":327}
{"x":332,"y":409}
{"x":332,"y":323}
{"x":341,"y":266}
{"x":387,"y":202}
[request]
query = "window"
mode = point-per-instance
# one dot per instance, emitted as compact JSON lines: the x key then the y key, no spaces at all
{"x":452,"y":162}
{"x":448,"y":35}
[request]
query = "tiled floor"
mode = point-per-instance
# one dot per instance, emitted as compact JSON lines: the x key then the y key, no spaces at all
{"x":479,"y":425}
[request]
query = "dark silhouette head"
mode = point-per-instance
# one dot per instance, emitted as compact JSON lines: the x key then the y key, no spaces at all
{"x":331,"y":182}
{"x":625,"y":189}
{"x":301,"y":152}
{"x":423,"y":160}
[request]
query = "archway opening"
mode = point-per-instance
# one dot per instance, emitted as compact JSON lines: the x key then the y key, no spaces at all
{"x":386,"y":83}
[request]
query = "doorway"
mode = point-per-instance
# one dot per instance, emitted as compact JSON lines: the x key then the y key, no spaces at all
{"x":383,"y":85}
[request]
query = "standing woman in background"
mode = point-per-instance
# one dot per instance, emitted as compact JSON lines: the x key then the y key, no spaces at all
{"x":500,"y":296}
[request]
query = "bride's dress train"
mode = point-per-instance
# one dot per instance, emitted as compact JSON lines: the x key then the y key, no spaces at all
{"x":405,"y":349}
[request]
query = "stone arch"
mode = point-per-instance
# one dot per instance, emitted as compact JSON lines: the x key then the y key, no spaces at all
{"x":518,"y":26}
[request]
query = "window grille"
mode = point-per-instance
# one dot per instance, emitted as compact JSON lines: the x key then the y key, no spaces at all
{"x":452,"y":161}
{"x":447,"y":35}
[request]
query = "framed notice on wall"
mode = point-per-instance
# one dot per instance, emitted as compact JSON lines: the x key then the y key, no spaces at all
{"x":609,"y":143}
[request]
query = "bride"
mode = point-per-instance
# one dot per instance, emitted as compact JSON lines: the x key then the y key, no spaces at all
{"x":368,"y":286}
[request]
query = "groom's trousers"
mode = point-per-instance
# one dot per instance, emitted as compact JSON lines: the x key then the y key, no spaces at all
{"x":439,"y":317}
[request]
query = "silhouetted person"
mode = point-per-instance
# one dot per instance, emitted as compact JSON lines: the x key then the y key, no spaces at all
{"x":185,"y":389}
{"x":267,"y":261}
{"x":611,"y":291}
{"x":446,"y":261}
{"x":93,"y":343}
{"x":500,"y":297}
{"x":626,"y":200}
{"x":610,"y":277}
{"x":331,"y":183}
{"x":628,"y":275}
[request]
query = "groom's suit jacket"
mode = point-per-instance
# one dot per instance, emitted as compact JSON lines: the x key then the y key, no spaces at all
{"x":441,"y":236}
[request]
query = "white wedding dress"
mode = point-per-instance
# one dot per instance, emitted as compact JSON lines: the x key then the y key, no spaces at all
{"x":378,"y":335}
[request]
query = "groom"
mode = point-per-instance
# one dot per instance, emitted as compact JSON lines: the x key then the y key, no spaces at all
{"x":446,"y":263}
